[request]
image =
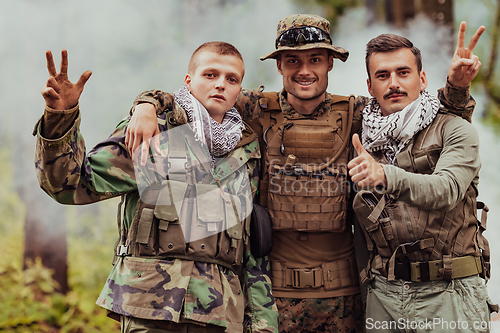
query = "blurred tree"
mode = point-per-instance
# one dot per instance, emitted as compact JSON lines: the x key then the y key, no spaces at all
{"x":398,"y":12}
{"x":333,"y":8}
{"x":492,"y":86}
{"x":45,"y":237}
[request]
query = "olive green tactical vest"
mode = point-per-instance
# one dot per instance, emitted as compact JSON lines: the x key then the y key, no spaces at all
{"x":304,"y":181}
{"x":395,"y":230}
{"x":213,"y":217}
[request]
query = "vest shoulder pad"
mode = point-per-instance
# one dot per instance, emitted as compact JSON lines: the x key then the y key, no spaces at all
{"x":269,"y":101}
{"x":339,"y":98}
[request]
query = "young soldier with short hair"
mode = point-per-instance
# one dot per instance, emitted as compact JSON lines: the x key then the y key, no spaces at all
{"x":183,"y":260}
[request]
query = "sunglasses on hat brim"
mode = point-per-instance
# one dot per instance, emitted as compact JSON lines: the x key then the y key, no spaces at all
{"x":303,"y":35}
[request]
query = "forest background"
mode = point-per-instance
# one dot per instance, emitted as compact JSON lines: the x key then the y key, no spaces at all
{"x":55,"y":259}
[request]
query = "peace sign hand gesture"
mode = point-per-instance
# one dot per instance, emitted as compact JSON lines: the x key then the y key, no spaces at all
{"x":464,"y":64}
{"x":59,"y":93}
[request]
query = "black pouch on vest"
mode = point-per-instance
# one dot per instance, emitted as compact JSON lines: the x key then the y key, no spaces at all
{"x":261,"y":232}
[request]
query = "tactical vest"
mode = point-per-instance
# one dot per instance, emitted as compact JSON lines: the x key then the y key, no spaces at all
{"x":215,"y":219}
{"x":303,"y":183}
{"x":417,"y":244}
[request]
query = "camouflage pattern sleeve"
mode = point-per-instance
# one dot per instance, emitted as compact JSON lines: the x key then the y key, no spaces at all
{"x":261,"y":314}
{"x":161,"y":100}
{"x":71,"y":176}
{"x":457,"y":100}
{"x":246,"y":104}
{"x":55,"y":123}
{"x":359,"y":104}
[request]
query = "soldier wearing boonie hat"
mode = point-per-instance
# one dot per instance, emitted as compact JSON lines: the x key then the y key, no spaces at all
{"x":304,"y":32}
{"x":314,"y":273}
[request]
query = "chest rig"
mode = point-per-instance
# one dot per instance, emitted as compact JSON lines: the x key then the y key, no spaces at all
{"x":304,"y":178}
{"x":188,"y":214}
{"x":416,"y":244}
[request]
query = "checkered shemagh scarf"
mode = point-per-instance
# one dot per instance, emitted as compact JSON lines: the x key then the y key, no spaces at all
{"x":392,"y":133}
{"x":220,"y":139}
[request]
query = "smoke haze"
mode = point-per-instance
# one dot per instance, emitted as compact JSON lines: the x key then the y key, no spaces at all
{"x":133,"y":45}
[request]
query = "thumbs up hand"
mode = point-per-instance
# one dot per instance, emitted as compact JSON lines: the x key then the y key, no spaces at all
{"x":363,"y":169}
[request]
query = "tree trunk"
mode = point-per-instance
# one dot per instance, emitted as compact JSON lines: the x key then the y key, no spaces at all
{"x":45,"y":236}
{"x":399,"y":11}
{"x":495,"y":35}
{"x":441,"y":11}
{"x":45,"y":221}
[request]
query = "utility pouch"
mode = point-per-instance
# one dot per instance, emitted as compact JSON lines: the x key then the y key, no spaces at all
{"x":230,"y":244}
{"x":170,"y":234}
{"x":261,"y":232}
{"x":209,"y":202}
{"x":373,"y":217}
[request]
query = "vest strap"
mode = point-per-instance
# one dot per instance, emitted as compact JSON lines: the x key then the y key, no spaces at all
{"x":307,"y":208}
{"x":336,"y":225}
{"x":483,"y":242}
{"x":121,"y":228}
{"x":405,"y":249}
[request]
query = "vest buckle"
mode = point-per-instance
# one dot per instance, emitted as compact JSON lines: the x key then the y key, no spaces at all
{"x":122,"y":250}
{"x":306,"y":278}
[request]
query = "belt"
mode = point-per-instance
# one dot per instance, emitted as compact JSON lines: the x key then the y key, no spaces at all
{"x":331,"y":275}
{"x":430,"y":270}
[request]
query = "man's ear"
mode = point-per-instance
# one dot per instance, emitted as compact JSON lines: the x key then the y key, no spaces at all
{"x":187,"y":81}
{"x":330,"y":62}
{"x":278,"y":65}
{"x":423,"y":81}
{"x":369,"y":84}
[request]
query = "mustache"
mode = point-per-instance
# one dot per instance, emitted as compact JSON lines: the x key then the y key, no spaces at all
{"x":395,"y":91}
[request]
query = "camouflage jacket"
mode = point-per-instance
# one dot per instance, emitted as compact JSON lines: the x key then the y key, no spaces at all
{"x":174,"y":290}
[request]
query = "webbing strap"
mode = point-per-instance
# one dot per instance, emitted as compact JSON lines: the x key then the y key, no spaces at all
{"x":144,"y":227}
{"x":121,"y":226}
{"x":307,"y":208}
{"x":375,"y":214}
{"x":372,"y":224}
{"x":484,"y":214}
{"x":482,"y":241}
{"x":405,"y":249}
{"x":458,"y":246}
{"x":314,"y":169}
{"x":177,"y":160}
{"x":441,"y":241}
{"x":270,"y":103}
{"x":336,"y":224}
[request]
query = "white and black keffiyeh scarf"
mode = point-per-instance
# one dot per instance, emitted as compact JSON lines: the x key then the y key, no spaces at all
{"x":220,"y":139}
{"x":392,"y":133}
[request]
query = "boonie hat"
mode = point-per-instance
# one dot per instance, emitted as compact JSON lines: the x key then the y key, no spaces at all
{"x":304,"y":32}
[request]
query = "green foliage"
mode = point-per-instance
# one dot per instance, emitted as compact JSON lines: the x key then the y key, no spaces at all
{"x":28,"y":302}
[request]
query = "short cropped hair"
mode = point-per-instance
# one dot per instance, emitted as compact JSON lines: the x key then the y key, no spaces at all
{"x":220,"y":48}
{"x":389,"y":43}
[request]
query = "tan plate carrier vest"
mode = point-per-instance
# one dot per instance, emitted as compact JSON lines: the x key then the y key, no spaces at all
{"x":435,"y":245}
{"x":304,"y":185}
{"x":156,"y":230}
{"x":304,"y":181}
